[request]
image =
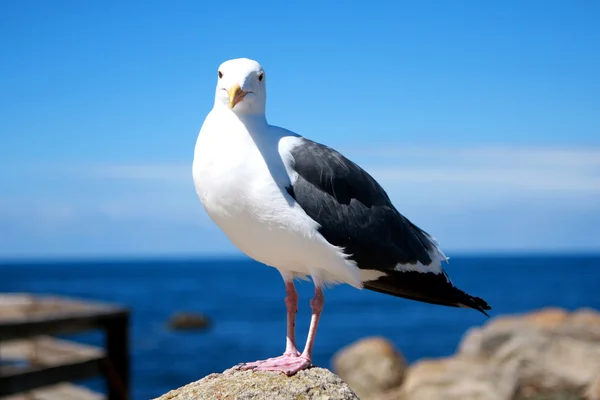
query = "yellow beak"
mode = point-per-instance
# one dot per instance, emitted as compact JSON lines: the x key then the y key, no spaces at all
{"x":236,"y":94}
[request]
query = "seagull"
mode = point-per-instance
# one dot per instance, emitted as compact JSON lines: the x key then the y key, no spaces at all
{"x":303,"y":208}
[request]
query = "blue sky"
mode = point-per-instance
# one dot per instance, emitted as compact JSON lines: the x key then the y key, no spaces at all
{"x":481,"y":119}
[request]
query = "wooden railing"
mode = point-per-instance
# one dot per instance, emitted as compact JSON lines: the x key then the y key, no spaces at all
{"x":31,"y":359}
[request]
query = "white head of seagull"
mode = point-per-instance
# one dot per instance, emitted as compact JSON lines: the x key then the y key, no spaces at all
{"x":241,"y":87}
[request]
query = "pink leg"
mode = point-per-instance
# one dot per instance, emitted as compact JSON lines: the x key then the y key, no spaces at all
{"x":290,"y":365}
{"x":291,"y":304}
{"x":316,"y":304}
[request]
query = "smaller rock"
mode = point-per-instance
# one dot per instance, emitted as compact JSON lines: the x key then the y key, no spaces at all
{"x":456,"y":378}
{"x":370,"y":366}
{"x":183,"y":320}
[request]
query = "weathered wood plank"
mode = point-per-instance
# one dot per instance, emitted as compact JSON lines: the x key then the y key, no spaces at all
{"x":47,"y":350}
{"x":52,"y":315}
{"x":62,"y":391}
{"x":46,"y":361}
{"x":23,"y":380}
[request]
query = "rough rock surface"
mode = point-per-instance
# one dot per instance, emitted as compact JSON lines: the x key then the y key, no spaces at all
{"x":370,"y":366}
{"x":314,"y":383}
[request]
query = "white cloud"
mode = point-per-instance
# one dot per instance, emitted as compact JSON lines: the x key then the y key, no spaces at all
{"x":530,"y":169}
{"x":530,"y":178}
{"x":475,"y":198}
{"x":157,"y":172}
{"x":573,"y":156}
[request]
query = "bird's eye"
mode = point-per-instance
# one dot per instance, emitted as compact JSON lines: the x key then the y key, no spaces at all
{"x":261,"y":76}
{"x":220,"y":74}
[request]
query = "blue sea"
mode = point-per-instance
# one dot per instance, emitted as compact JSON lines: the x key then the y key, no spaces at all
{"x":245,"y":302}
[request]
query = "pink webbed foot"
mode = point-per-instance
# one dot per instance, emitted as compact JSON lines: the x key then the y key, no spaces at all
{"x":252,"y":365}
{"x":288,"y":364}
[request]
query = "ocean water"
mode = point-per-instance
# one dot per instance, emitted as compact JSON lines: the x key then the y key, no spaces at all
{"x":245,"y":302}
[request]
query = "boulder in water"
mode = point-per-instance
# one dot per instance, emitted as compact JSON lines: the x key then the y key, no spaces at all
{"x":370,"y":366}
{"x":182,"y":320}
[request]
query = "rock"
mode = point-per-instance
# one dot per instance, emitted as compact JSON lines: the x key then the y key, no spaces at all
{"x":548,"y":351}
{"x":182,"y":320}
{"x":314,"y":383}
{"x":370,"y":366}
{"x":456,"y":378}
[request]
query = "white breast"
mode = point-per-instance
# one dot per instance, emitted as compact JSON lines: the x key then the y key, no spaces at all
{"x":242,"y":189}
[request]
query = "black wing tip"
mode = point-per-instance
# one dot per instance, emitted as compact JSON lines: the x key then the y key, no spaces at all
{"x":477,"y":303}
{"x":428,"y":288}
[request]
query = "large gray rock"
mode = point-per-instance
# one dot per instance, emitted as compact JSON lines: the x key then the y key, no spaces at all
{"x":370,"y":366}
{"x":314,"y":384}
{"x":548,"y":354}
{"x":551,"y":350}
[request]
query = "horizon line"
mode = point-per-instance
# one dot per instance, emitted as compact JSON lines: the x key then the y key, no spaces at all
{"x":234,"y":256}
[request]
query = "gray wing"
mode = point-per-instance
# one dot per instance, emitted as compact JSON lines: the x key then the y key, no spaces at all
{"x":354,"y":211}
